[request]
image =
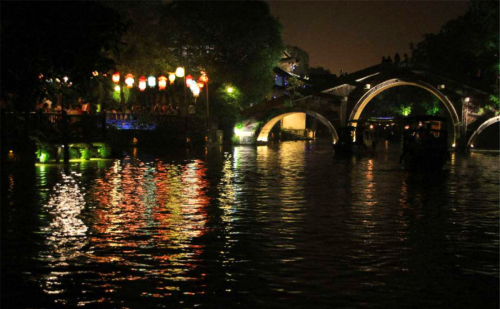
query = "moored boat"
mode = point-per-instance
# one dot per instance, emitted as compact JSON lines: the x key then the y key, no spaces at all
{"x":425,"y":143}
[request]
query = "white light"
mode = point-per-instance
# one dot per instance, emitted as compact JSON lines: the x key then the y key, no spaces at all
{"x":230,"y":89}
{"x":195,"y":89}
{"x":117,"y":88}
{"x":65,"y":78}
{"x":179,"y":72}
{"x":453,"y":145}
{"x":240,"y":132}
{"x":151,"y":81}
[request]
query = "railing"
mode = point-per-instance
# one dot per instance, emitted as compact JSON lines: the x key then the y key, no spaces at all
{"x":173,"y":123}
{"x":58,"y":127}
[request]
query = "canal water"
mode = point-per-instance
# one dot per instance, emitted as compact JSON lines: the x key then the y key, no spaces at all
{"x":284,"y":226}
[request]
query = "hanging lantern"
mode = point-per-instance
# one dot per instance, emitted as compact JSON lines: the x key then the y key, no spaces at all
{"x":171,"y":78}
{"x":203,"y":78}
{"x":189,"y":80}
{"x":200,"y":85}
{"x":129,"y":80}
{"x":195,"y":89}
{"x":179,"y":72}
{"x":116,"y":77}
{"x":117,"y":88}
{"x":151,"y":81}
{"x":162,"y":82}
{"x":142,"y":83}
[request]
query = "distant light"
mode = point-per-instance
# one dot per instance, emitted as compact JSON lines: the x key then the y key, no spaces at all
{"x":95,"y":73}
{"x":453,"y":145}
{"x":189,"y":80}
{"x":441,"y":86}
{"x":142,"y":83}
{"x":171,"y":77}
{"x":368,"y":86}
{"x":407,"y":127}
{"x":129,"y":80}
{"x":135,"y":140}
{"x":162,"y":82}
{"x":195,"y":89}
{"x":240,"y":132}
{"x":11,"y":151}
{"x":117,"y":88}
{"x":116,"y":77}
{"x":467,"y":99}
{"x":151,"y":81}
{"x":65,"y":78}
{"x":230,"y":89}
{"x":179,"y":72}
{"x":371,"y":126}
{"x":200,"y":85}
{"x":471,"y":146}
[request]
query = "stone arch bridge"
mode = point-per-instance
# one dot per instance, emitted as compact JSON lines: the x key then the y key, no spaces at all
{"x":341,"y":105}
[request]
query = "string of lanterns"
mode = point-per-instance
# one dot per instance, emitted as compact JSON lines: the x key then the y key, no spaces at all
{"x":151,"y":81}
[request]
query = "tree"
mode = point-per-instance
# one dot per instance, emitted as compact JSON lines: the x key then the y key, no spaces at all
{"x":466,"y":47}
{"x":49,"y":40}
{"x":237,"y":42}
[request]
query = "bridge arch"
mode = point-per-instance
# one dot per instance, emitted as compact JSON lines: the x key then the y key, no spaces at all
{"x":374,"y":91}
{"x":481,"y":128}
{"x":263,"y":132}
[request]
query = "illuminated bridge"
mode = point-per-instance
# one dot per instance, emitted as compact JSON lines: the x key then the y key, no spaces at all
{"x":341,"y":105}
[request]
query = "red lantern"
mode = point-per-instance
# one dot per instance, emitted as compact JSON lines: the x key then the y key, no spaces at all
{"x":162,"y":82}
{"x":116,"y":77}
{"x":189,"y":80}
{"x":203,"y":77}
{"x":142,"y":83}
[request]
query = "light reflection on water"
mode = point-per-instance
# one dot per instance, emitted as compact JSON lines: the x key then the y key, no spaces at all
{"x":276,"y":227}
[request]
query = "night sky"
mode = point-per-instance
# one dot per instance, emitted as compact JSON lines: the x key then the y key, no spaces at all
{"x":352,"y":35}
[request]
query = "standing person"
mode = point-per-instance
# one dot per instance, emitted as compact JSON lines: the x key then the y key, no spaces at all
{"x":397,"y":59}
{"x":192,"y":109}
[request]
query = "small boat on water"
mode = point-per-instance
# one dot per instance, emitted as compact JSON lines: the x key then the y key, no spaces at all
{"x":425,"y":143}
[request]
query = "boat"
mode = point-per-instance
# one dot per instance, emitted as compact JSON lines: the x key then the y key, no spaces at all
{"x":425,"y":143}
{"x":365,"y":140}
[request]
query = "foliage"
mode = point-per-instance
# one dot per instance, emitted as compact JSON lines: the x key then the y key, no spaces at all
{"x":55,"y":40}
{"x":85,"y":153}
{"x":432,"y":108}
{"x":403,"y":109}
{"x":294,"y":86}
{"x":235,"y":42}
{"x":466,"y":47}
{"x":105,"y":151}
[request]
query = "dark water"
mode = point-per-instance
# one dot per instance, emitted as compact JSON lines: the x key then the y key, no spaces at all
{"x":285,"y":226}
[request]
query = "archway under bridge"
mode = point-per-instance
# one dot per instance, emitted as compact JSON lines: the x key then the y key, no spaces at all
{"x":263,"y":132}
{"x":373,"y":92}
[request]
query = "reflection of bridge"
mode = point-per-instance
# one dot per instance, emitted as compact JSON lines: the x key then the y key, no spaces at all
{"x":342,"y":104}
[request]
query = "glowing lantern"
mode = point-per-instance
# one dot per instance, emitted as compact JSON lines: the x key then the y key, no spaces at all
{"x":151,"y":81}
{"x":203,"y":77}
{"x":117,"y":88}
{"x":179,"y":72}
{"x":189,"y":80}
{"x":195,"y":89}
{"x":142,"y":83}
{"x":200,"y":85}
{"x":162,"y":82}
{"x":129,"y":80}
{"x":171,"y":78}
{"x":116,"y":77}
